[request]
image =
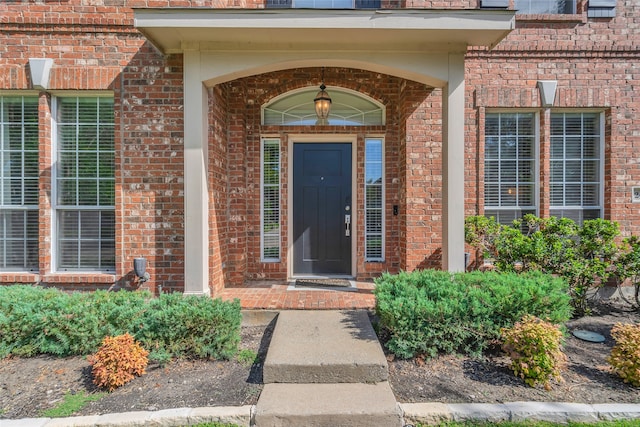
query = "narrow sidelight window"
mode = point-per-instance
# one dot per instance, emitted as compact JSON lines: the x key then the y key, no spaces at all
{"x":270,"y":200}
{"x":576,"y":166}
{"x":85,"y":184}
{"x":18,"y":183}
{"x":509,"y":166}
{"x":373,"y":199}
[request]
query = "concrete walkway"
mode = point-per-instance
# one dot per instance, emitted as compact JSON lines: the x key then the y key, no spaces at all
{"x":326,"y":368}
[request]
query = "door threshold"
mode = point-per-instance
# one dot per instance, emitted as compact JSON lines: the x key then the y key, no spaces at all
{"x":321,"y":276}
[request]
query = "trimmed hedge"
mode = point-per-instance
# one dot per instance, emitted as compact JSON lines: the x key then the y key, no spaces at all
{"x":190,"y":325}
{"x":429,"y":312}
{"x":36,"y":320}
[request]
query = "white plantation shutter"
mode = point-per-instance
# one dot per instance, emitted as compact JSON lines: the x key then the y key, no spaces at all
{"x":270,"y":201}
{"x":576,"y":166}
{"x":19,"y":183}
{"x":85,"y":184}
{"x":374,"y":199}
{"x":510,"y":166}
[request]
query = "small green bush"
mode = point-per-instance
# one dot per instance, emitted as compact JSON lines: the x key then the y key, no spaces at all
{"x":625,"y":355}
{"x":535,"y":349}
{"x":36,"y":320}
{"x":191,"y":326}
{"x":429,"y":312}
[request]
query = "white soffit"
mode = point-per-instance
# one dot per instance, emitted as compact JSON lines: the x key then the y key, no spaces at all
{"x":423,"y":30}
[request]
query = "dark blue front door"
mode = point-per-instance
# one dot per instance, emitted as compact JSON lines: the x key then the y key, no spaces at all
{"x":322,"y":209}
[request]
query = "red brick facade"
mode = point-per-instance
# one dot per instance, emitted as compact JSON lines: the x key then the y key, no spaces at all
{"x":96,"y":48}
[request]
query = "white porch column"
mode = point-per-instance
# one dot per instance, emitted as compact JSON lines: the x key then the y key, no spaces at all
{"x":453,"y":115}
{"x":196,"y":195}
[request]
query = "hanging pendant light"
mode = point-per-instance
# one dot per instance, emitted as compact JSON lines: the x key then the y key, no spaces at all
{"x":323,"y":103}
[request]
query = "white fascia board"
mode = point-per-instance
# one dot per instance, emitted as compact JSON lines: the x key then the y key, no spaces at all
{"x":170,"y":29}
{"x":325,"y":19}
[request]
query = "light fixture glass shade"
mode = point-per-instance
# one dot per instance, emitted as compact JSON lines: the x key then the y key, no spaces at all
{"x":323,"y":103}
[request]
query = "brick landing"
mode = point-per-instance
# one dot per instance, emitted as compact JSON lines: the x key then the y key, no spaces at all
{"x":282,"y":296}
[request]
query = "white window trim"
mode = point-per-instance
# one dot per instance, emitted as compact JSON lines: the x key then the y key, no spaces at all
{"x":262,"y":186}
{"x":55,"y":208}
{"x":536,"y":153}
{"x":601,"y":169}
{"x":383,"y":207}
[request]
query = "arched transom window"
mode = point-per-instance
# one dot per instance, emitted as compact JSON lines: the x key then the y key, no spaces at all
{"x":348,"y":108}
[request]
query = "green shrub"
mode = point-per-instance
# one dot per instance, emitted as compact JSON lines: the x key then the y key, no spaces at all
{"x":191,"y":326}
{"x":430,"y":312}
{"x":628,"y":265}
{"x":535,"y":349}
{"x":36,"y":320}
{"x":625,"y":355}
{"x":582,"y":255}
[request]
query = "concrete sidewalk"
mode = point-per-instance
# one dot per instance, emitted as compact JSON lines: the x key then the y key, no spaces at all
{"x":426,"y":413}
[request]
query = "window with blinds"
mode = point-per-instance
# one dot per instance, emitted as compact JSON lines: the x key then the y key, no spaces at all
{"x":576,"y":166}
{"x":270,"y":200}
{"x":85,"y":184}
{"x":374,"y":200}
{"x":19,"y":183}
{"x":540,"y":7}
{"x":510,"y":166}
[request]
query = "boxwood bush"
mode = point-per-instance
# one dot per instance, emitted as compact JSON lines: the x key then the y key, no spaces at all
{"x":36,"y":320}
{"x":428,"y":312}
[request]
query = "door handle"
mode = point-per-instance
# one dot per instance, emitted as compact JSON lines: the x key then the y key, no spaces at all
{"x":347,"y":225}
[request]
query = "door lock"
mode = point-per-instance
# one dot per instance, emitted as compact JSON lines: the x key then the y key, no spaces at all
{"x":347,"y":225}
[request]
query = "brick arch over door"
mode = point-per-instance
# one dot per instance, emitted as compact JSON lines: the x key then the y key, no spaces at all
{"x":366,"y":82}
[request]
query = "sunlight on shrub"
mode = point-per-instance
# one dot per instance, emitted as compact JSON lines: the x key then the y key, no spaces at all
{"x":625,"y":355}
{"x":119,"y":360}
{"x":535,"y":349}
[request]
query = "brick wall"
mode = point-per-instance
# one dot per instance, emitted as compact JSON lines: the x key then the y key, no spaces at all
{"x":95,"y":48}
{"x":420,"y":164}
{"x":219,"y":221}
{"x":595,"y":64}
